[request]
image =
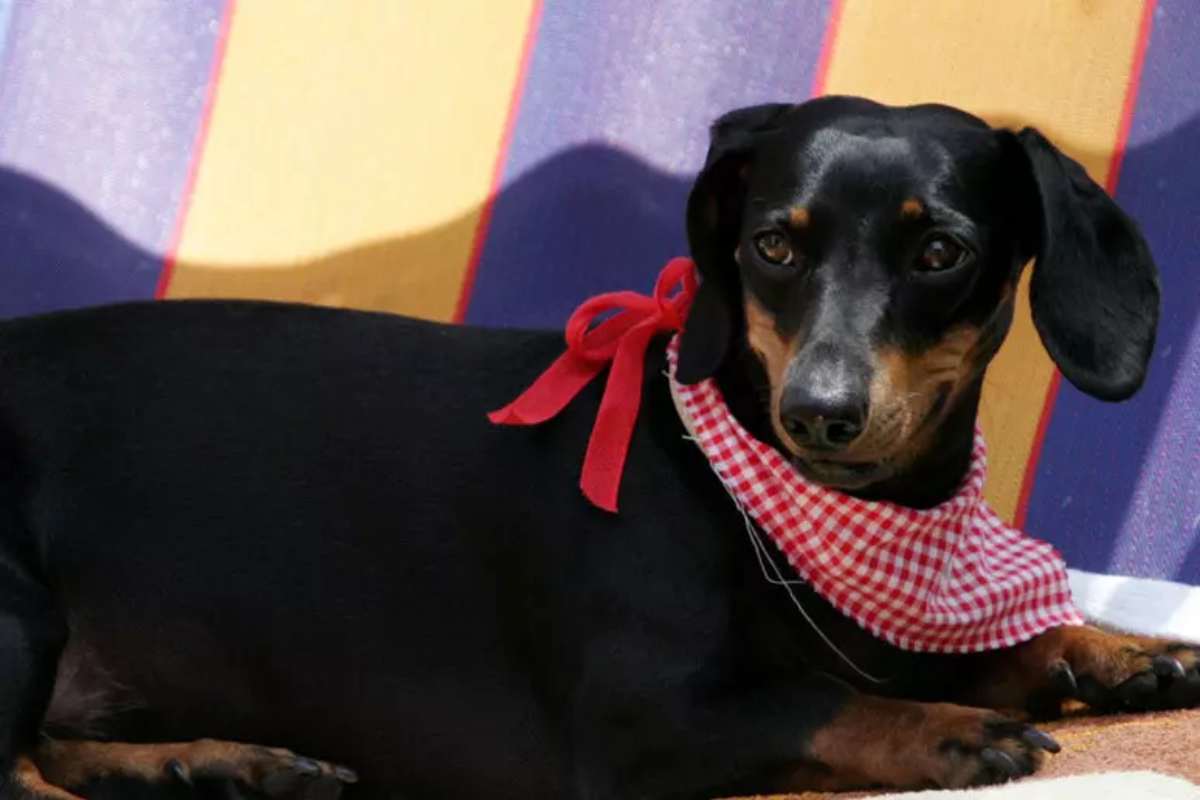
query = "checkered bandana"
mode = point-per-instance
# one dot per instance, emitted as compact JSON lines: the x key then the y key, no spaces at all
{"x":950,"y":579}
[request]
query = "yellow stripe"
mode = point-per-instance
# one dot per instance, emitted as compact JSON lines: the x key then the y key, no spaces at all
{"x":1060,"y":66}
{"x":349,"y":151}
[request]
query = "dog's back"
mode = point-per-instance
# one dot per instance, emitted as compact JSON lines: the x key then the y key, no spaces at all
{"x":181,"y":471}
{"x":323,"y":489}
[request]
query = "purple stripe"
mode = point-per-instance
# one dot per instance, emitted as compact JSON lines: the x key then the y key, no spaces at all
{"x":101,"y":102}
{"x":1118,"y":487}
{"x":613,"y":124}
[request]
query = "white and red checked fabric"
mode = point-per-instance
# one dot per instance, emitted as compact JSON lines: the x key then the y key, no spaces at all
{"x":953,"y":578}
{"x":950,"y":579}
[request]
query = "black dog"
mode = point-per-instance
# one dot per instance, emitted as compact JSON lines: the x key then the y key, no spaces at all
{"x":294,"y":526}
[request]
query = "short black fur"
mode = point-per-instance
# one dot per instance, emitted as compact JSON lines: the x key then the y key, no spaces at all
{"x":294,"y":526}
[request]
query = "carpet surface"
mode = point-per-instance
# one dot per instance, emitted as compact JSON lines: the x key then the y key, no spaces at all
{"x":1124,"y":785}
{"x":1166,"y":743}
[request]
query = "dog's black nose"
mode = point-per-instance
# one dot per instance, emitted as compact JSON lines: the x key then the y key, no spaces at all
{"x":828,"y":420}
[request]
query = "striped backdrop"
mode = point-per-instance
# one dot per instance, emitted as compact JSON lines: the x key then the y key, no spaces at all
{"x":495,"y":161}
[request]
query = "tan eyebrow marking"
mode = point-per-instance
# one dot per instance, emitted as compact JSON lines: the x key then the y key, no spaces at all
{"x":911,"y":209}
{"x":798,"y":216}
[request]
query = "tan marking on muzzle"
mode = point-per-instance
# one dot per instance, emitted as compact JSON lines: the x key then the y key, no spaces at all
{"x":904,"y":390}
{"x":775,"y":352}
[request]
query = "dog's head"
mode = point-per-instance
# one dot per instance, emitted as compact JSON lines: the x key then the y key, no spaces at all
{"x":869,"y":257}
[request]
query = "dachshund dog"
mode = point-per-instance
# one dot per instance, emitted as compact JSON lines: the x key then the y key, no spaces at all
{"x":228,"y":528}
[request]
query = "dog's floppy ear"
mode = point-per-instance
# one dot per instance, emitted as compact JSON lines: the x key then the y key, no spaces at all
{"x":714,"y":212}
{"x":1094,"y":290}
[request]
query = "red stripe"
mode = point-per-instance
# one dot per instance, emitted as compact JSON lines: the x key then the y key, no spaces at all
{"x":510,"y":124}
{"x":1131,"y":93}
{"x":1114,"y":172}
{"x":189,"y":184}
{"x":1035,"y":450}
{"x":827,"y":43}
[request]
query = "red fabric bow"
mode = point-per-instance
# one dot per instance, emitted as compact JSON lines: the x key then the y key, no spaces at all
{"x":622,"y":341}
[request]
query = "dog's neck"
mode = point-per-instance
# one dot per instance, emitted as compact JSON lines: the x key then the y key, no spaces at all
{"x":932,"y":478}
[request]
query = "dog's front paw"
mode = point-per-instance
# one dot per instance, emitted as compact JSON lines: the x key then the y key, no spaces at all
{"x":1107,"y":671}
{"x":981,"y":748}
{"x":906,"y":745}
{"x":1110,"y":672}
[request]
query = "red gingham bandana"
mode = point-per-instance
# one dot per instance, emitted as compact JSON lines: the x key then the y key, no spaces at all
{"x":951,"y":579}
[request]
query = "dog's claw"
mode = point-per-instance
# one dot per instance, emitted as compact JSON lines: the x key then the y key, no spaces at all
{"x":1166,"y":666}
{"x":1045,"y":741}
{"x":1138,"y":691}
{"x":1000,"y":761}
{"x":306,"y":766}
{"x":178,"y":771}
{"x":1062,"y":677}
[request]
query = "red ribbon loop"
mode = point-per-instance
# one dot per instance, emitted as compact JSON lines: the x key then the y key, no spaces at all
{"x":620,"y":340}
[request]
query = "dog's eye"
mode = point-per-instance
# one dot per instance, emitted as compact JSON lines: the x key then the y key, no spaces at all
{"x":940,"y":253}
{"x":774,"y":247}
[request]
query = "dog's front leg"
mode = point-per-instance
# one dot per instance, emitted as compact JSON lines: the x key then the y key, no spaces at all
{"x":1107,"y":671}
{"x":814,"y":733}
